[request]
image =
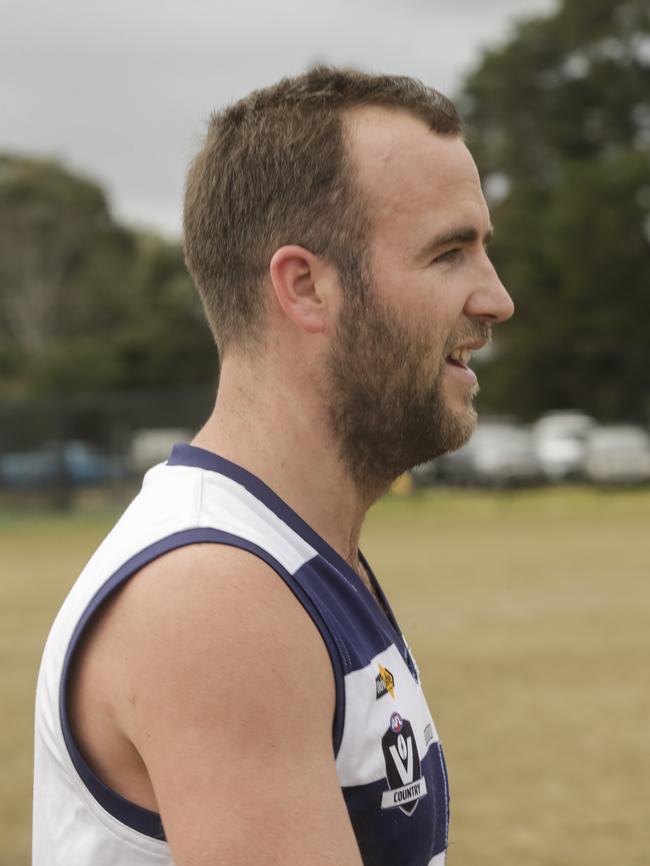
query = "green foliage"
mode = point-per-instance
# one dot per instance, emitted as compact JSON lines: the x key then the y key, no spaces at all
{"x":559,"y":121}
{"x":87,"y":304}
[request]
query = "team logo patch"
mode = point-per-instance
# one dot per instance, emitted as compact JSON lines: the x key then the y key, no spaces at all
{"x":385,"y":683}
{"x":406,"y":784}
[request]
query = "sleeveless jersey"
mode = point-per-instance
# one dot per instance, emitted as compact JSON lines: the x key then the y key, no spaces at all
{"x":388,"y":757}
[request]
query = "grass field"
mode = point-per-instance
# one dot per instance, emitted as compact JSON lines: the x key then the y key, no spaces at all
{"x":529,"y":615}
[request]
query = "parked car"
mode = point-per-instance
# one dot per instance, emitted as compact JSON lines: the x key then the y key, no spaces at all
{"x":498,"y":454}
{"x":426,"y":474}
{"x":74,"y":462}
{"x":154,"y":446}
{"x":618,"y":454}
{"x":560,"y":441}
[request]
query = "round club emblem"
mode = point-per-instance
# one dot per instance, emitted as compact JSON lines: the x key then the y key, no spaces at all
{"x":396,"y":723}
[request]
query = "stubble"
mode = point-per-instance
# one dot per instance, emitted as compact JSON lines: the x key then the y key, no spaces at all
{"x":387,"y":406}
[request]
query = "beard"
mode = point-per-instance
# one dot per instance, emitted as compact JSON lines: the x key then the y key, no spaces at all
{"x":386,"y":403}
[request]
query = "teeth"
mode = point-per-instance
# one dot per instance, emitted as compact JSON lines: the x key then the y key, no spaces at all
{"x":463,"y":356}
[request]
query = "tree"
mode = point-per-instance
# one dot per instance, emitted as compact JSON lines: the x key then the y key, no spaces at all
{"x":85,"y":303}
{"x":165,"y":340}
{"x":559,"y":121}
{"x":56,"y":237}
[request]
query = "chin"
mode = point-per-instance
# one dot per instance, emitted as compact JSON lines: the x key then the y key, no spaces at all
{"x":463,"y":425}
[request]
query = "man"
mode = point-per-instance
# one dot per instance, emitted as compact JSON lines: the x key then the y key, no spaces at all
{"x":226,"y":683}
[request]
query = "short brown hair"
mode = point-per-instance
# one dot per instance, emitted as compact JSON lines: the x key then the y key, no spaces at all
{"x":274,"y":170}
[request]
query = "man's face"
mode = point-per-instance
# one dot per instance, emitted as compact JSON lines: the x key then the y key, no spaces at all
{"x":400,"y":392}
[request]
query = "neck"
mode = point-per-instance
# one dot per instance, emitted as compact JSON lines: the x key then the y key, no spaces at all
{"x":259,"y":423}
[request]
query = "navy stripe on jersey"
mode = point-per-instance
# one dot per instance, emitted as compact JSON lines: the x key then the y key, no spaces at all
{"x":373,"y":632}
{"x":138,"y":818}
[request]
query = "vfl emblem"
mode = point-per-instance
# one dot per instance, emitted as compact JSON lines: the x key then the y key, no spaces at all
{"x":385,"y":683}
{"x":406,"y":784}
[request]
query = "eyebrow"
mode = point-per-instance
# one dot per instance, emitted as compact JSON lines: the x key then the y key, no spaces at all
{"x":459,"y":235}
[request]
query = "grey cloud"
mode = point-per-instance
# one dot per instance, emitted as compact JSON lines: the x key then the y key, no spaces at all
{"x":120,"y":90}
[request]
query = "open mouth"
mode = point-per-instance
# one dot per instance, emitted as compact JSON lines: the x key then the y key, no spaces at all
{"x":458,"y":365}
{"x":460,"y":358}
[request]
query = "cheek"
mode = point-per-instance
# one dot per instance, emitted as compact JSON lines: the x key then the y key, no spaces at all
{"x":438,"y":308}
{"x":435,"y":334}
{"x":423,"y":309}
{"x":429,"y":352}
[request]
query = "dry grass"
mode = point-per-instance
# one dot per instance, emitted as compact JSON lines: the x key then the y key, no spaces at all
{"x":529,"y":616}
{"x":39,"y":557}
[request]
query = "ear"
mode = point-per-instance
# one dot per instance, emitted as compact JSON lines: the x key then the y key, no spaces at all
{"x":299,"y":281}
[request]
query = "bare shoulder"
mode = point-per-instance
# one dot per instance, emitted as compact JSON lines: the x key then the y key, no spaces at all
{"x":228,"y":695}
{"x":218,"y":615}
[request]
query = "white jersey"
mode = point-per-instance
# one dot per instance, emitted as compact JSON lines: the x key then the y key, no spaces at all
{"x":388,"y":757}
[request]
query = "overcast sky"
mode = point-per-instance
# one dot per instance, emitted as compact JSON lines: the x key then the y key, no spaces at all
{"x":120,"y":90}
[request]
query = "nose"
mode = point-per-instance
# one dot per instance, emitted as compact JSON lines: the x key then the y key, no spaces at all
{"x":490,"y":299}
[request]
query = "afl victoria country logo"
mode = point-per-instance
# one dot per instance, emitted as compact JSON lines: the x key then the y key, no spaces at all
{"x":406,"y":784}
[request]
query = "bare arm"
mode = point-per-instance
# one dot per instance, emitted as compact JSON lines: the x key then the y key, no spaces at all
{"x":232,"y":705}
